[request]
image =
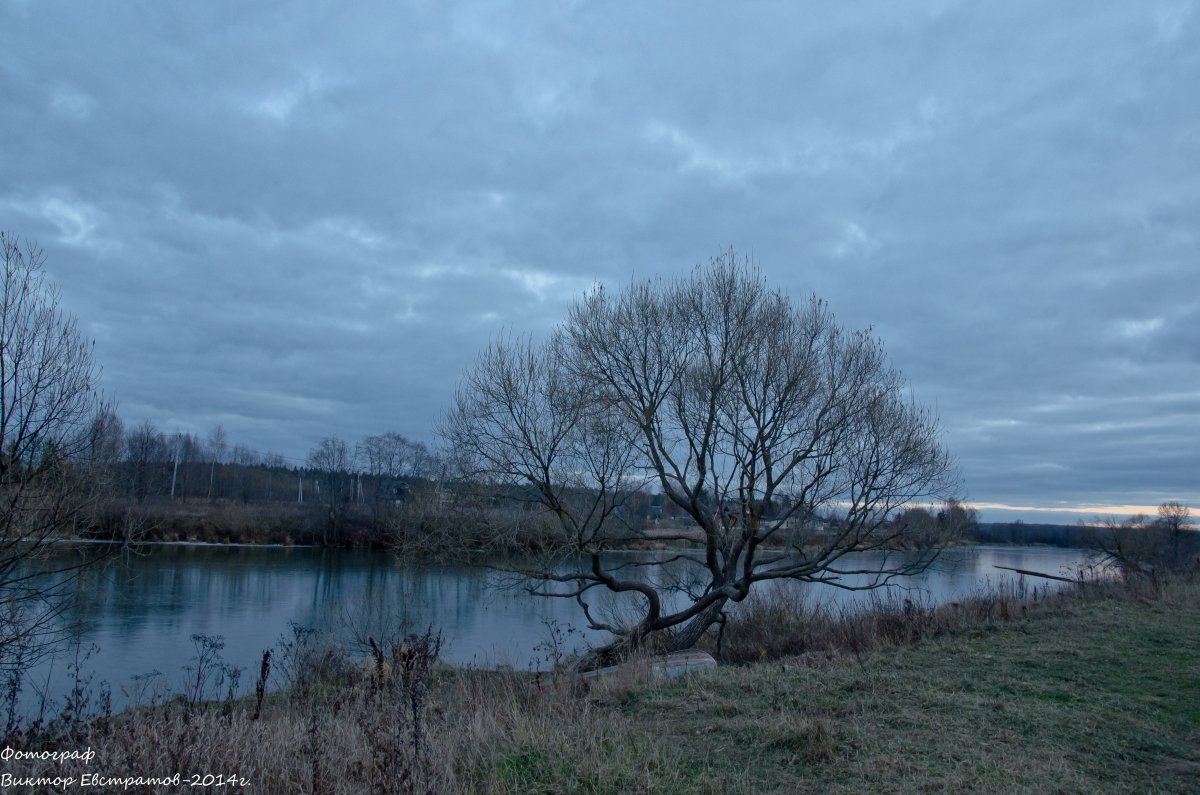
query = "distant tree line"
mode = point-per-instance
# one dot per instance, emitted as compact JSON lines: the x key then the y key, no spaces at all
{"x":1167,"y":539}
{"x":1019,"y":532}
{"x":147,"y":481}
{"x":143,"y":462}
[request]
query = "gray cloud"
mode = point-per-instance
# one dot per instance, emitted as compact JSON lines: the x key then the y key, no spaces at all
{"x":300,"y":222}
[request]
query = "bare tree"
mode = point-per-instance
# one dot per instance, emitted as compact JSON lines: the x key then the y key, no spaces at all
{"x":51,"y":421}
{"x":106,"y":444}
{"x":1175,"y":518}
{"x":188,"y":452}
{"x":392,"y":463}
{"x":748,"y":413}
{"x":1139,"y":545}
{"x":333,"y":462}
{"x":1134,"y":545}
{"x":391,"y":455}
{"x":106,"y":437}
{"x":147,"y":452}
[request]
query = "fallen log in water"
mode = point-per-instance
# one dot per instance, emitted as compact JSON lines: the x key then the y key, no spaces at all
{"x":1036,"y":574}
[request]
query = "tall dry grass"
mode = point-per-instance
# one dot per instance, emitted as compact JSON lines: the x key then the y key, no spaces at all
{"x":396,"y":722}
{"x":782,"y":622}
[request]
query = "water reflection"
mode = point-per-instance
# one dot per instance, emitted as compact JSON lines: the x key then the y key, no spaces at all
{"x":142,"y":608}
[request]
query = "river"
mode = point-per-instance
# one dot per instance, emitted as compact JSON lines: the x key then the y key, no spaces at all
{"x":138,"y":613}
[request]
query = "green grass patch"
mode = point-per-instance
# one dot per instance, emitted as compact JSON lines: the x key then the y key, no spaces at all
{"x":1099,"y":696}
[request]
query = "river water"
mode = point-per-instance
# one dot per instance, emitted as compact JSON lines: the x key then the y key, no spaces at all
{"x":138,"y":613}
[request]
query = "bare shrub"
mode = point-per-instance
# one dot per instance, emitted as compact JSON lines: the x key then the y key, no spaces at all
{"x":1143,"y":547}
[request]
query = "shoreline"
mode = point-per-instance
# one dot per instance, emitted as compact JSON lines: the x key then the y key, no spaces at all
{"x":1028,"y":694}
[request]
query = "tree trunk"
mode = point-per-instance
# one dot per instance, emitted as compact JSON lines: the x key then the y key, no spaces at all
{"x":690,"y":633}
{"x":663,"y":640}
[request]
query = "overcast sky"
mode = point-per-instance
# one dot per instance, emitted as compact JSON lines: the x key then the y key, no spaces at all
{"x":298,"y":221}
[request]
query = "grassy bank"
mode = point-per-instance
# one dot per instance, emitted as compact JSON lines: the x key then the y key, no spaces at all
{"x":1097,"y":692}
{"x":1086,"y":696}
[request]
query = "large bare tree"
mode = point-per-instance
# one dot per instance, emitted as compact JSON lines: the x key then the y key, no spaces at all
{"x":49,"y":410}
{"x":750,"y":413}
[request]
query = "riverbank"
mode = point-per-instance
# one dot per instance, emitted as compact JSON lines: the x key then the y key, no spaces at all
{"x":1088,"y":692}
{"x":414,"y":527}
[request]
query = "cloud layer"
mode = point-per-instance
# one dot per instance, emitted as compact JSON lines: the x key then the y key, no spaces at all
{"x":300,"y":222}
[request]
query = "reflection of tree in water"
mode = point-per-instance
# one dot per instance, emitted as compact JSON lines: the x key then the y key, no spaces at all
{"x":384,"y":598}
{"x":168,"y":586}
{"x":142,"y":608}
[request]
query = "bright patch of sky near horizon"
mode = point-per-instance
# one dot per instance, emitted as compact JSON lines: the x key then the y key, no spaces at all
{"x":299,"y":221}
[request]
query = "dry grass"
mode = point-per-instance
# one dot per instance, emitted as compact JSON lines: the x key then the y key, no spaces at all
{"x":211,"y":521}
{"x":781,"y":622}
{"x":393,"y":723}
